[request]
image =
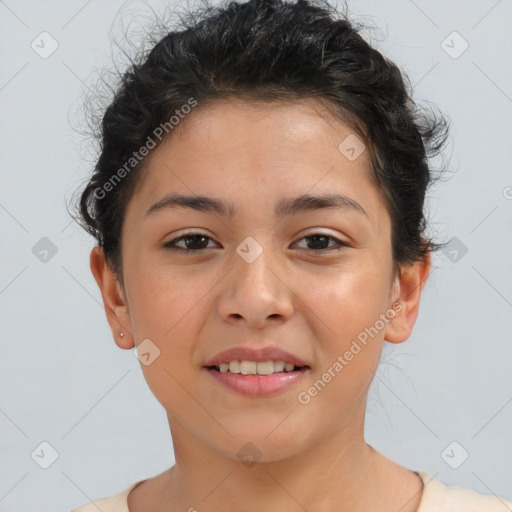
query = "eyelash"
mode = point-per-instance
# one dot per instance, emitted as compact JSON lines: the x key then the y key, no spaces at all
{"x":171,"y":244}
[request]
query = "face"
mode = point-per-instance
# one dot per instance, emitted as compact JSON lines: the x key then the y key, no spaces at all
{"x":316,"y":282}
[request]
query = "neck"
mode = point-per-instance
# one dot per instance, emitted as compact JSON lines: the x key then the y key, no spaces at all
{"x":341,"y":473}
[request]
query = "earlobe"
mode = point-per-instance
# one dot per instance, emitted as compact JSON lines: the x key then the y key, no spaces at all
{"x":116,"y":308}
{"x":407,"y":293}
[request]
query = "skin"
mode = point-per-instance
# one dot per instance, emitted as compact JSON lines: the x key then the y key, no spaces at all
{"x":312,"y":303}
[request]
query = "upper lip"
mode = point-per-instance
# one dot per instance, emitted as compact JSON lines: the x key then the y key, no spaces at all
{"x":269,"y":353}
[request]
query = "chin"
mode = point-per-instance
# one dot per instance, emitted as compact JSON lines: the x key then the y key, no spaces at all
{"x":261,"y":441}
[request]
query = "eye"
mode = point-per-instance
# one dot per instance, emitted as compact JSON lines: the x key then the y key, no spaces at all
{"x":197,"y":242}
{"x":194,"y":242}
{"x":319,"y":241}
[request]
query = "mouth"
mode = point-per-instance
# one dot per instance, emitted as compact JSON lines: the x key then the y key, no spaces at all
{"x":257,"y":379}
{"x":262,"y":368}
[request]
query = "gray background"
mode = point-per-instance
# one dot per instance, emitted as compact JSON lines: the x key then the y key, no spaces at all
{"x":63,"y":380}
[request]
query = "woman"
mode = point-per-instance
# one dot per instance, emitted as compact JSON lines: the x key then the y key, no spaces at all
{"x":258,"y":206}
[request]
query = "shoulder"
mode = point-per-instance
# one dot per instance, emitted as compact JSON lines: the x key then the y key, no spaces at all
{"x":117,"y":503}
{"x":438,"y":497}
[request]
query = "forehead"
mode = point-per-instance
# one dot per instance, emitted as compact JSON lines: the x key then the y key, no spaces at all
{"x":257,"y":150}
{"x":251,"y":124}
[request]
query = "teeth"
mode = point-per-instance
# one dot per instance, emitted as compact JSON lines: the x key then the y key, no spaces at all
{"x":265,"y":368}
{"x":234,"y":366}
{"x":248,"y":367}
{"x":279,"y":366}
{"x":255,"y":368}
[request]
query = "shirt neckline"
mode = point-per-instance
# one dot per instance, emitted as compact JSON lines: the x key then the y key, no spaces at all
{"x":426,"y":478}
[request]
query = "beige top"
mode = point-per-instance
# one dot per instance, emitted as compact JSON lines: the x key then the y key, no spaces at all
{"x":436,"y":497}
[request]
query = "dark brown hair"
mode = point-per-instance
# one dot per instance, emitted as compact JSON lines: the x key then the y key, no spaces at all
{"x":269,"y":50}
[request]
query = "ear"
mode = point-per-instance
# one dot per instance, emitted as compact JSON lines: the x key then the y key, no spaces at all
{"x":116,"y":307}
{"x":406,"y":294}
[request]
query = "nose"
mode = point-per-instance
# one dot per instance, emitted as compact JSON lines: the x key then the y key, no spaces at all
{"x":255,"y":293}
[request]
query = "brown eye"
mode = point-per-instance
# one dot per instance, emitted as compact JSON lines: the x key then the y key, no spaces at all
{"x":320,"y":242}
{"x":194,"y":242}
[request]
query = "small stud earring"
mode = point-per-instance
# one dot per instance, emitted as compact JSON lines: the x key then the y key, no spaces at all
{"x":121,"y":334}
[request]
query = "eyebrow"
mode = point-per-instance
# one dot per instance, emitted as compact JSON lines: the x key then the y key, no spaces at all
{"x":286,"y":206}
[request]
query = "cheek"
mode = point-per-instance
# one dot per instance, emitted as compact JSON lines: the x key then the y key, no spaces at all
{"x":164,"y":300}
{"x":349,"y":299}
{"x":346,"y":321}
{"x":165,"y":307}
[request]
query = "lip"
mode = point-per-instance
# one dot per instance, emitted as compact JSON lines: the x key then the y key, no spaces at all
{"x":258,"y":385}
{"x":269,"y":353}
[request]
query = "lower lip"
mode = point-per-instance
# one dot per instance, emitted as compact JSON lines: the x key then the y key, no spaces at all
{"x":258,"y":385}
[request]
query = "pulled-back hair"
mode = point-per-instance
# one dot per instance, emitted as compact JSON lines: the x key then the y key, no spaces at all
{"x":269,"y":50}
